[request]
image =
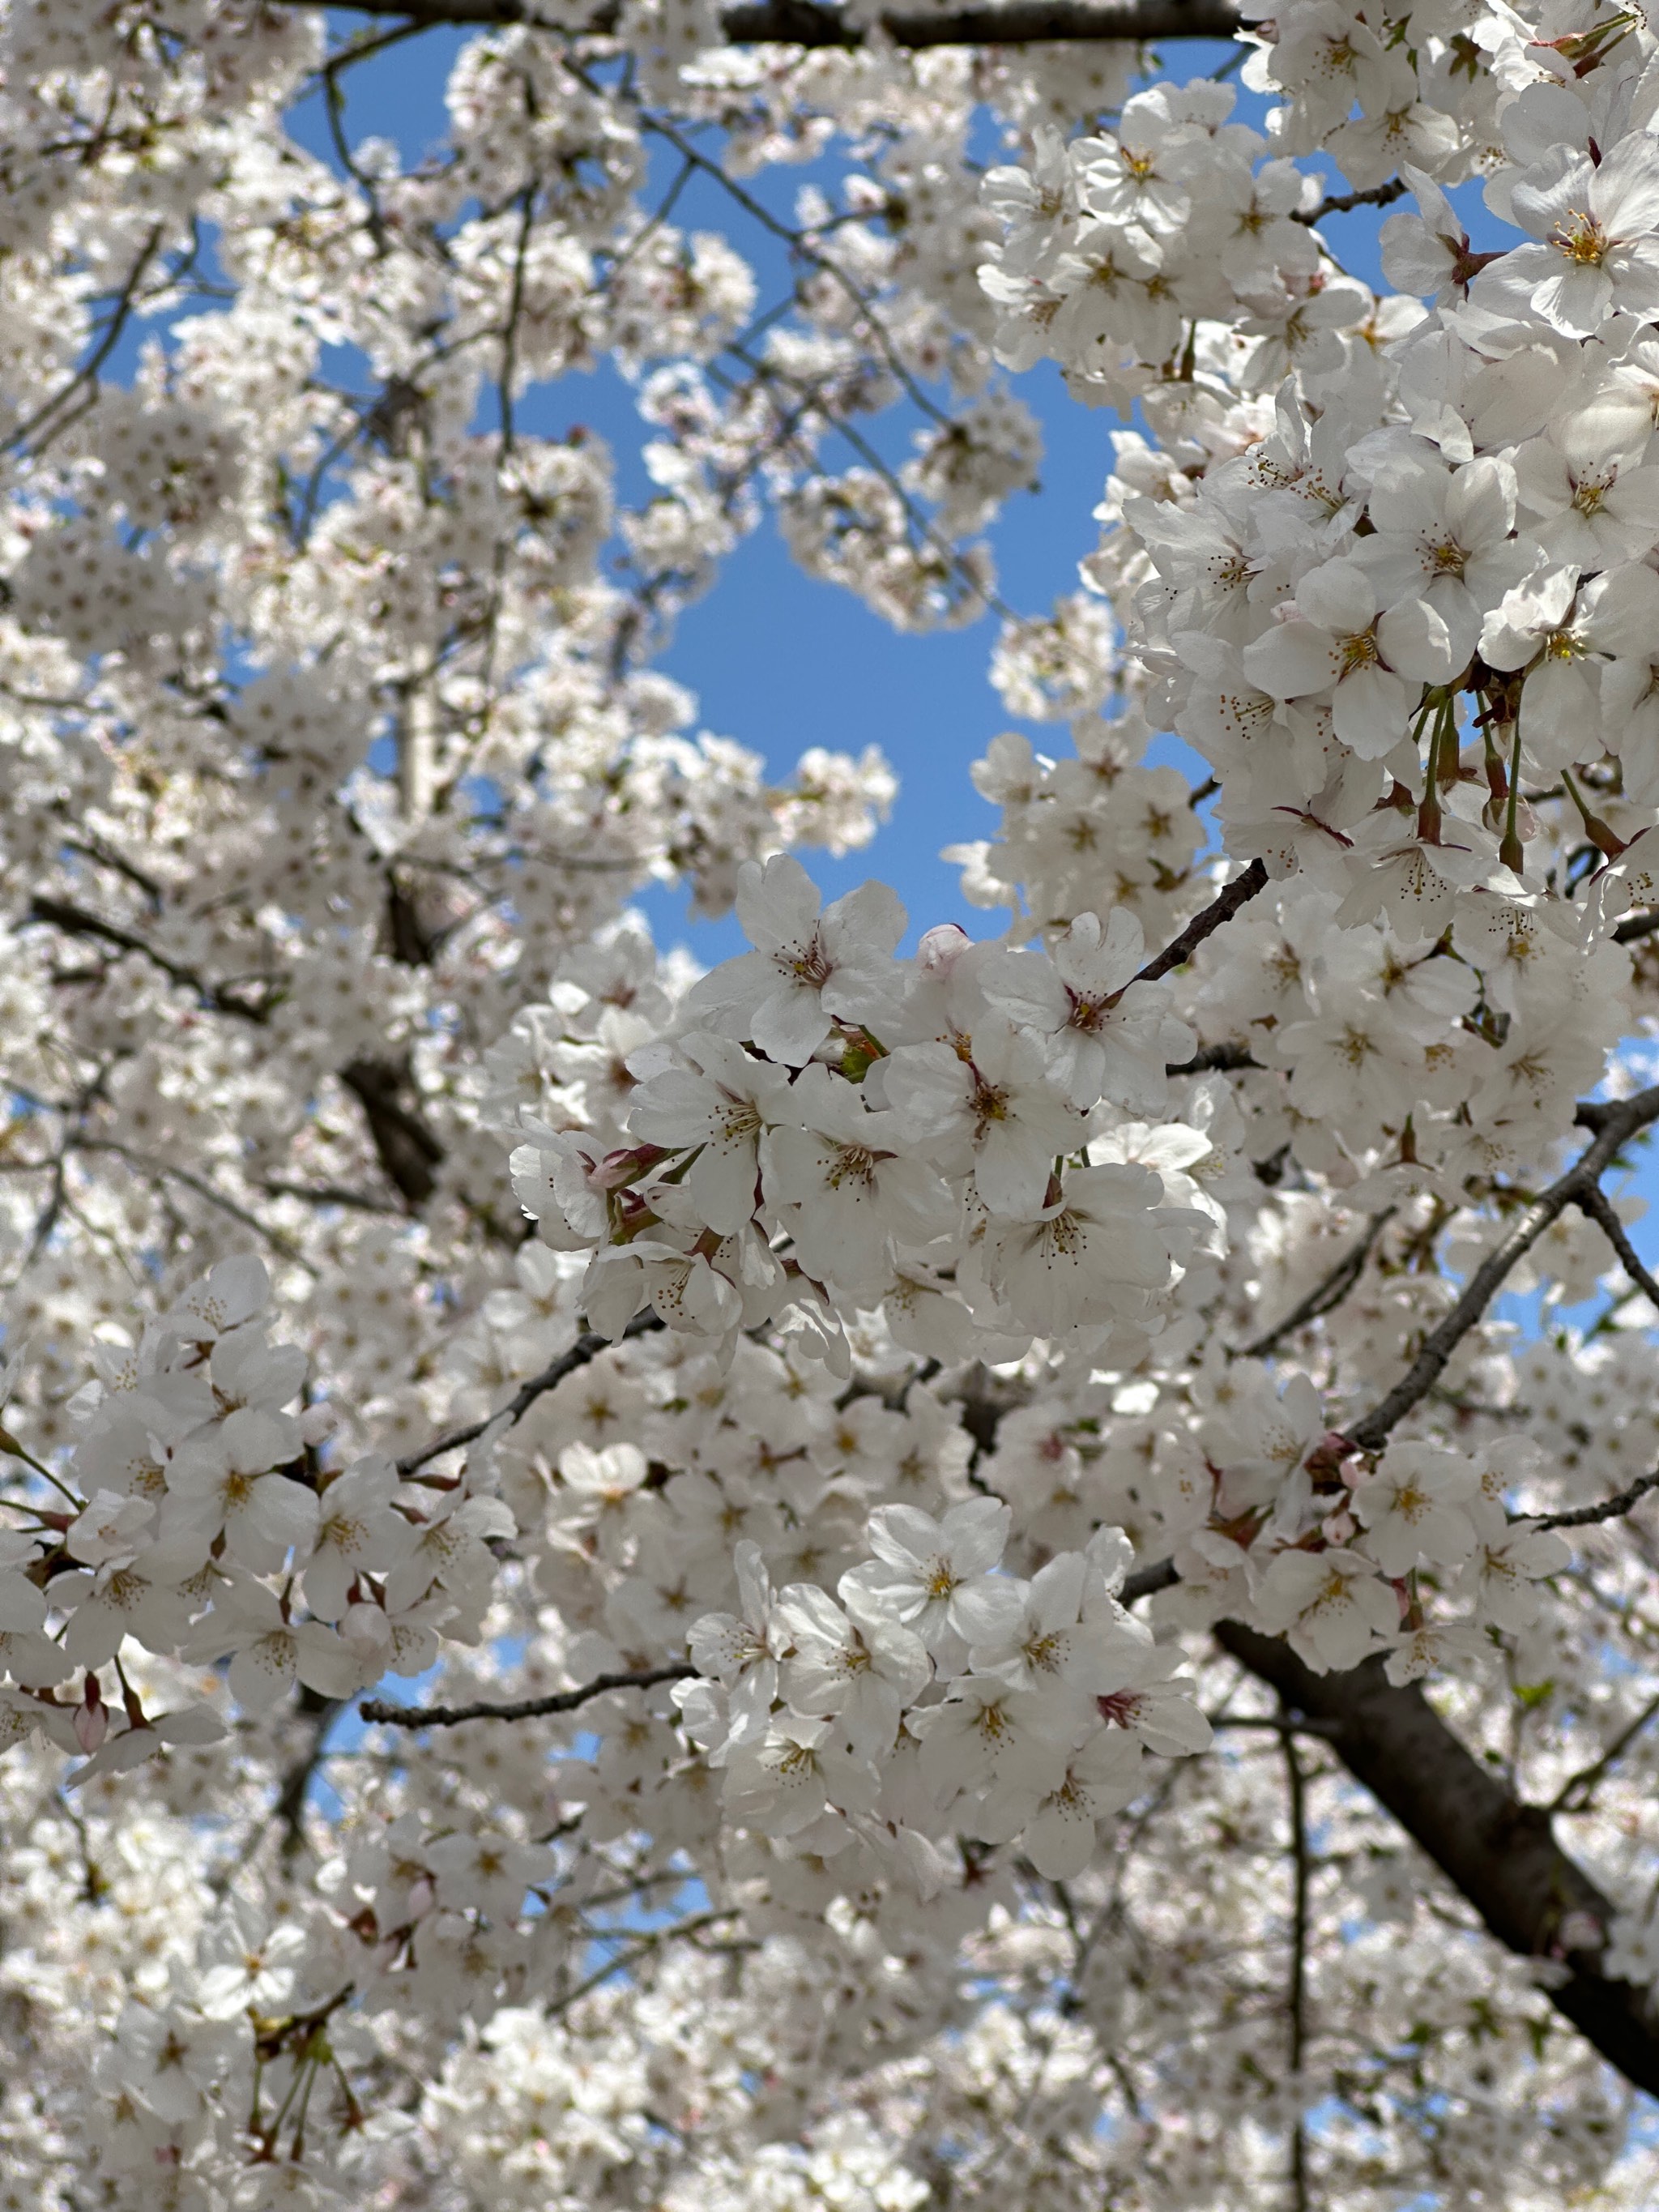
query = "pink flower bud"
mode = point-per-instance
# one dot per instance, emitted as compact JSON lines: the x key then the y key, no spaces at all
{"x":941,"y":949}
{"x":91,"y":1716}
{"x":627,"y":1166}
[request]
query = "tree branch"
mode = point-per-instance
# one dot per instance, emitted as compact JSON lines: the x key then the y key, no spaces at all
{"x":1501,"y":1854}
{"x":1610,"y":1508}
{"x":587,"y":1347}
{"x":78,"y":921}
{"x":407,"y":1149}
{"x":1324,"y":1296}
{"x":1242,"y":889}
{"x":801,"y":23}
{"x":519,"y":1709}
{"x":1297,"y":1994}
{"x":1596,"y":1204}
{"x":1615,"y":1125}
{"x":1344,"y":203}
{"x":1576,"y":1792}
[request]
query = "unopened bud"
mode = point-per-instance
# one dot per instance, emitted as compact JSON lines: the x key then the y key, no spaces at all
{"x":91,"y":1716}
{"x":941,"y":949}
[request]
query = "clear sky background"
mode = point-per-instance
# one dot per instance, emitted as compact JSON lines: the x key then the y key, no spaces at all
{"x":779,"y":662}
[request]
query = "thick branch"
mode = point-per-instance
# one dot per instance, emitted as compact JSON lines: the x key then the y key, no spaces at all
{"x":407,"y":1149}
{"x":1228,"y":1057}
{"x":520,"y":1708}
{"x":1344,"y":203}
{"x":1615,"y":1125}
{"x":1499,"y":1854}
{"x":801,"y":23}
{"x":78,"y":921}
{"x":1297,"y":1994}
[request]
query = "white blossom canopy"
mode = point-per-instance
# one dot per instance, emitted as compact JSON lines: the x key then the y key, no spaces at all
{"x":888,"y":1578}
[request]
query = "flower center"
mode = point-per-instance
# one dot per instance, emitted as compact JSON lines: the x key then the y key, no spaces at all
{"x":1581,"y":238}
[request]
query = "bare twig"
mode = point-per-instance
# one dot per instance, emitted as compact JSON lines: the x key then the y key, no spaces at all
{"x":1599,"y":1206}
{"x":586,"y":1348}
{"x":87,"y":373}
{"x":1297,"y":1995}
{"x":1344,"y":203}
{"x":1615,"y":1125}
{"x":518,"y":1708}
{"x":1575,"y":1793}
{"x":1610,"y":1508}
{"x":1325,"y":1296}
{"x":1222,"y":907}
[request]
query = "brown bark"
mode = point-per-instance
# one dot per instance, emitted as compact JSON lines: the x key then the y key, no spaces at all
{"x":802,"y":23}
{"x":407,"y":1149}
{"x":1500,"y":1853}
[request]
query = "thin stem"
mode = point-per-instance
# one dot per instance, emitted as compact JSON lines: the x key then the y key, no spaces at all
{"x":1296,"y":1791}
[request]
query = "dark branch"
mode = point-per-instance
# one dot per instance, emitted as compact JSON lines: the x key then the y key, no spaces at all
{"x":1146,"y":1582}
{"x":801,"y":23}
{"x":1344,"y":203}
{"x":1242,"y":889}
{"x":1324,"y":1296}
{"x":1297,"y":1994}
{"x":1577,"y":1791}
{"x":78,"y":921}
{"x":1610,"y":1508}
{"x":519,"y":1709}
{"x":1499,"y":1853}
{"x":404,"y":1144}
{"x":1228,"y":1057}
{"x":1599,"y":1206}
{"x":1614,"y":1125}
{"x":587,"y":1347}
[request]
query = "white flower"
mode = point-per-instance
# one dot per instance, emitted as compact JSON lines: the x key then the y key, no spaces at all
{"x":1502,"y":1576}
{"x":843,"y":1184}
{"x":793,"y":1774}
{"x":1094,"y":1250}
{"x":357,"y":1531}
{"x":267,"y":1650}
{"x":1053,"y":1820}
{"x":222,"y":1481}
{"x":992,"y":1100}
{"x":933,"y":1576}
{"x":246,"y":1964}
{"x":1052,"y":1641}
{"x":1336,"y":638}
{"x":1411,"y":1508}
{"x":739,"y":1650}
{"x":1332,"y":1606}
{"x":1595,"y":224}
{"x":808,"y":971}
{"x":986,"y":1730}
{"x":1105,"y":1036}
{"x":721,"y":1105}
